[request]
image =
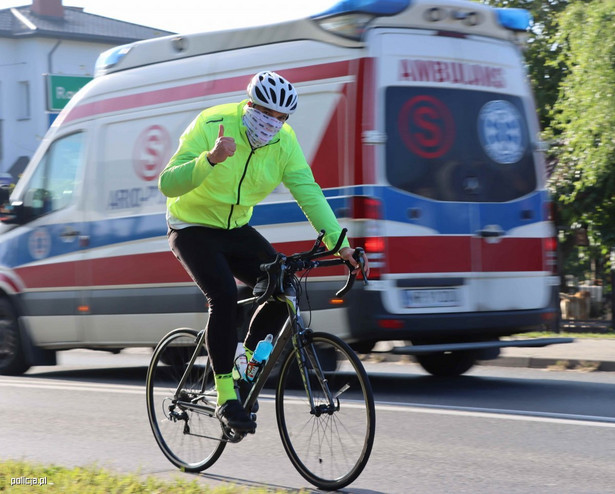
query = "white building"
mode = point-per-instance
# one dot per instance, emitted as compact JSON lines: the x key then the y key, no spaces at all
{"x":48,"y":51}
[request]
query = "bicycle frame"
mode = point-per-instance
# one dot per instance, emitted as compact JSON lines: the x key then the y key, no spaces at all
{"x":293,"y":328}
{"x":183,"y":416}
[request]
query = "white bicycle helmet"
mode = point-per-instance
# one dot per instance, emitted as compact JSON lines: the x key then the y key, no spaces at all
{"x":273,"y":91}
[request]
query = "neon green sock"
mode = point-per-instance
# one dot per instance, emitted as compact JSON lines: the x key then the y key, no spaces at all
{"x":249,"y":353}
{"x":225,"y":387}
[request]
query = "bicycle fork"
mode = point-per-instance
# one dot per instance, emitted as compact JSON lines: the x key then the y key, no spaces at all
{"x":307,"y":359}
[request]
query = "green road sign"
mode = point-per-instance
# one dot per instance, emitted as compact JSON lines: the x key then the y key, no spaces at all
{"x":61,"y":88}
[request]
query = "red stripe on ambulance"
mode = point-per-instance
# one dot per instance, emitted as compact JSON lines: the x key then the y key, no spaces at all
{"x":455,"y":254}
{"x":201,"y":89}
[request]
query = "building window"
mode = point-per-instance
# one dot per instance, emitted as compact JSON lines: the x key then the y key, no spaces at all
{"x":24,"y":100}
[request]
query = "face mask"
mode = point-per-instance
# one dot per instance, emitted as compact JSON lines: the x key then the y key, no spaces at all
{"x":261,"y":127}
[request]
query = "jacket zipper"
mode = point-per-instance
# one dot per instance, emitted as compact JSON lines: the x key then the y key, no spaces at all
{"x":245,"y":170}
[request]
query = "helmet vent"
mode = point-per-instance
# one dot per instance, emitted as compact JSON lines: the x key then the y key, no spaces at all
{"x":259,"y":94}
{"x":274,"y":97}
{"x":273,"y":91}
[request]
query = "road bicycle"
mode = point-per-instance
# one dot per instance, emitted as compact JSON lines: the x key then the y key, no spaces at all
{"x":323,"y":398}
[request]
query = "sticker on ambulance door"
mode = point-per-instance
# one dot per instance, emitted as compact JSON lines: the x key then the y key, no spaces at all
{"x":426,"y":126}
{"x":151,"y":152}
{"x":501,"y":132}
{"x":39,"y":243}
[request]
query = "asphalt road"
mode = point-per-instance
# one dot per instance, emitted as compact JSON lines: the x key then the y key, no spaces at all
{"x":495,"y":430}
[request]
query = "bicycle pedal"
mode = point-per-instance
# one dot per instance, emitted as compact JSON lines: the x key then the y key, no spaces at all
{"x":233,"y":436}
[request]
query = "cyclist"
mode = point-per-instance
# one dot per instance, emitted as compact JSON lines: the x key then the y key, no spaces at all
{"x":229,"y":159}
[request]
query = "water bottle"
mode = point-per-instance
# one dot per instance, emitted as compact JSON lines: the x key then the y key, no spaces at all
{"x":260,"y":356}
{"x":241,"y":363}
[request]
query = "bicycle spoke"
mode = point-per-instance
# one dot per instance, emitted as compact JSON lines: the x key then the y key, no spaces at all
{"x":184,"y":426}
{"x":330,"y":443}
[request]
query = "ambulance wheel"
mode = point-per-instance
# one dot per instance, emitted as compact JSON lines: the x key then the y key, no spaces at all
{"x":363,"y":346}
{"x":12,"y":356}
{"x":447,"y":364}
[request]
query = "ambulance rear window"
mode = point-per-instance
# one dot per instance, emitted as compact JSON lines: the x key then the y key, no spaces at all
{"x":458,"y":145}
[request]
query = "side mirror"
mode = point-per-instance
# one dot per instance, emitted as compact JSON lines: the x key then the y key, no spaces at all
{"x":5,"y":193}
{"x":13,"y":213}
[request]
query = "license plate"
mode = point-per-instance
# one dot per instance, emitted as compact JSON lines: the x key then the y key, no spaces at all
{"x":441,"y":297}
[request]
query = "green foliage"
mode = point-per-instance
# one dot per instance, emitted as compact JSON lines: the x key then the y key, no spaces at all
{"x":571,"y":64}
{"x":55,"y":479}
{"x":583,"y":122}
{"x":545,"y":69}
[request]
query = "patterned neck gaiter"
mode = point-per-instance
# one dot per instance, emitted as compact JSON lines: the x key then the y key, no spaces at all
{"x":261,"y":127}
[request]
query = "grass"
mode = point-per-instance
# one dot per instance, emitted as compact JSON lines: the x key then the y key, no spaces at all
{"x":92,"y":480}
{"x":565,"y":334}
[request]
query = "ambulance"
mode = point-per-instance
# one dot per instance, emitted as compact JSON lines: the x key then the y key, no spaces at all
{"x":419,"y":124}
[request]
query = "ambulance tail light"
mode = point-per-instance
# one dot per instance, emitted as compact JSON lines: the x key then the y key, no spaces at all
{"x":368,"y":210}
{"x":349,"y":18}
{"x":550,"y":247}
{"x":550,"y":253}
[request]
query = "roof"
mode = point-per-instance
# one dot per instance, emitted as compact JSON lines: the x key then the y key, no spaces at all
{"x":21,"y":22}
{"x":470,"y":18}
{"x":164,"y":49}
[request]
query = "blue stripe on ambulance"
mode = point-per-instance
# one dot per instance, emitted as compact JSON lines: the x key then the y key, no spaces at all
{"x":446,"y":218}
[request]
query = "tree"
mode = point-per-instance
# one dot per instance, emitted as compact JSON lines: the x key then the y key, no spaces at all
{"x":583,"y":122}
{"x":545,"y":68}
{"x":571,"y":64}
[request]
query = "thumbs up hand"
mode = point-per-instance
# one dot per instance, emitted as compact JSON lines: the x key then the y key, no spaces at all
{"x":223,"y":148}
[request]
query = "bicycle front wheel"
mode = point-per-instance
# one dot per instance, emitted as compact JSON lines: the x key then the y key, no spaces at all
{"x":328,"y":439}
{"x":183,"y":423}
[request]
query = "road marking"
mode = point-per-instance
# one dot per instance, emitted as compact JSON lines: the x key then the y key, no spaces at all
{"x":502,"y":414}
{"x":70,"y":386}
{"x":383,"y":406}
{"x":492,"y":413}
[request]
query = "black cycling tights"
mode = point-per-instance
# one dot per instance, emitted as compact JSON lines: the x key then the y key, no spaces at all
{"x":214,"y":258}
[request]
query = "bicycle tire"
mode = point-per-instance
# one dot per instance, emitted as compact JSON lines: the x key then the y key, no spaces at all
{"x":191,"y":440}
{"x":331,"y":450}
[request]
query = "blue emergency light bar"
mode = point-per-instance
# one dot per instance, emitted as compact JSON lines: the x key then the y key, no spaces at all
{"x":515,"y":19}
{"x":374,"y":7}
{"x":110,"y":58}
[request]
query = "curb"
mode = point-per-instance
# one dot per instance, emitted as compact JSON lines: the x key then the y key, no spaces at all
{"x":551,"y":363}
{"x":582,"y":365}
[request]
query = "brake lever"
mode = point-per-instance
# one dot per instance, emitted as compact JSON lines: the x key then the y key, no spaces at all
{"x":271,"y":283}
{"x":349,"y":282}
{"x":317,"y":244}
{"x":335,"y":249}
{"x":359,"y":256}
{"x":352,"y":276}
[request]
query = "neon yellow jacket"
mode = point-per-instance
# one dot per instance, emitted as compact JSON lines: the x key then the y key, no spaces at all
{"x":225,"y":195}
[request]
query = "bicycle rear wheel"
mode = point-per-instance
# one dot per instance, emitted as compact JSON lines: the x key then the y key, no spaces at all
{"x":329,"y":446}
{"x":191,"y":439}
